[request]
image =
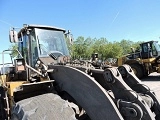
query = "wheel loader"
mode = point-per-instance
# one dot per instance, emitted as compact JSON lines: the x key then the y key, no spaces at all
{"x":144,"y":60}
{"x":44,"y":83}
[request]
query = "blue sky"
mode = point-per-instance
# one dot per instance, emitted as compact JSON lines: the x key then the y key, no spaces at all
{"x":136,"y":20}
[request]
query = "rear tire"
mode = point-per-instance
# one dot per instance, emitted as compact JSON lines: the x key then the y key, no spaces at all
{"x":43,"y":107}
{"x":137,"y":70}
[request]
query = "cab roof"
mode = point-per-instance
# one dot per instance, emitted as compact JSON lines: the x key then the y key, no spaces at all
{"x":151,"y":41}
{"x":41,"y":27}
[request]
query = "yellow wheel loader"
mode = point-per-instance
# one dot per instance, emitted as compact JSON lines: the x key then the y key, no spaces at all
{"x":145,"y":60}
{"x":44,"y":83}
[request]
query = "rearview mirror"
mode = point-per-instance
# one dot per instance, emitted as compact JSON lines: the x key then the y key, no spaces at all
{"x":13,"y":36}
{"x":70,"y":37}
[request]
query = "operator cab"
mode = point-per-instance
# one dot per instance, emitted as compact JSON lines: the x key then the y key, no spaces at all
{"x":150,"y":49}
{"x":38,"y":47}
{"x":41,"y":41}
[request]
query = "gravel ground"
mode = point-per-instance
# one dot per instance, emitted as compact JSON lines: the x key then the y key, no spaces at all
{"x":153,"y":81}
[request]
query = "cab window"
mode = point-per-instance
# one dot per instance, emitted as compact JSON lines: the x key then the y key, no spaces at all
{"x":145,"y":47}
{"x":34,"y":48}
{"x":23,"y":46}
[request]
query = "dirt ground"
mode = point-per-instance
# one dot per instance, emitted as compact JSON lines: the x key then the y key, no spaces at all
{"x":153,"y":81}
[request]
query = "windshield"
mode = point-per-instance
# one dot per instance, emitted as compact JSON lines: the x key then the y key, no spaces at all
{"x":51,"y":41}
{"x":157,"y":46}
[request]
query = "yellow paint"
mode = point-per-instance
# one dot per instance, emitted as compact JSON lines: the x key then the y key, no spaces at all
{"x":13,"y":85}
{"x":121,"y":61}
{"x":158,"y":68}
{"x":2,"y":79}
{"x":150,"y":60}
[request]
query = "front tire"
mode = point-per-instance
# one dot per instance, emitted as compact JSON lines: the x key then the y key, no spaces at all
{"x":138,"y":70}
{"x":43,"y":107}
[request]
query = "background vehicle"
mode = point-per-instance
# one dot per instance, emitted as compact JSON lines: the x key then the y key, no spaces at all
{"x":145,"y":60}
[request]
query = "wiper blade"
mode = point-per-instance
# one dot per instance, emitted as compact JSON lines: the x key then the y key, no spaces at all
{"x":48,"y":52}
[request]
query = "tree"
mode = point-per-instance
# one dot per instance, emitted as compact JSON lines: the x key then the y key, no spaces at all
{"x":83,"y":48}
{"x":126,"y":46}
{"x":14,"y":49}
{"x":80,"y":47}
{"x":114,"y":50}
{"x":99,"y":46}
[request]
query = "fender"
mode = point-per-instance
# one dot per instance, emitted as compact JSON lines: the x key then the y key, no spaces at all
{"x":88,"y":93}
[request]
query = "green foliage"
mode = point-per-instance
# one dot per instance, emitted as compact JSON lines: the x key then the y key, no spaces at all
{"x":83,"y":48}
{"x":14,"y":48}
{"x":114,"y":51}
{"x":127,"y":45}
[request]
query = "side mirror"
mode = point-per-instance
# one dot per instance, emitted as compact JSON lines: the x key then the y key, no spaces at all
{"x":13,"y":36}
{"x":69,"y":36}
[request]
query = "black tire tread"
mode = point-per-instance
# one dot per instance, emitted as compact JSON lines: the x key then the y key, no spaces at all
{"x":139,"y":70}
{"x":43,"y":107}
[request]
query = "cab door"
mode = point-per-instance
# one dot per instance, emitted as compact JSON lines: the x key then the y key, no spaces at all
{"x":34,"y":48}
{"x":23,"y":46}
{"x":146,"y":51}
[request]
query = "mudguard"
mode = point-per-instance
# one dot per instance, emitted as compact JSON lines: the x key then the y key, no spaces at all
{"x":87,"y":92}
